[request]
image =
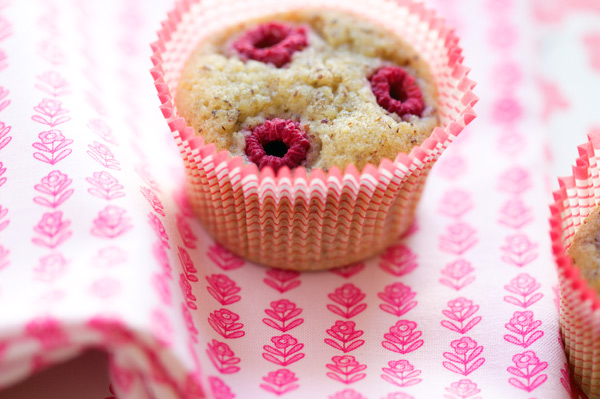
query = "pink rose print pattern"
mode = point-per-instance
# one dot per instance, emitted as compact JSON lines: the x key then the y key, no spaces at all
{"x":3,"y":214}
{"x":51,"y":52}
{"x":111,"y":222}
{"x":50,"y":268}
{"x":4,"y":102}
{"x":525,"y":327}
{"x":223,"y":258}
{"x":349,"y":271}
{"x":346,"y":337}
{"x":51,"y":113}
{"x":153,"y":200}
{"x":105,"y":186}
{"x":565,"y":380}
{"x":466,"y":357}
{"x":280,"y":382}
{"x":4,"y":137}
{"x":461,"y":315}
{"x":144,"y":173}
{"x":463,"y":389}
{"x":2,"y":171}
{"x":347,"y":394}
{"x":286,"y":350}
{"x":345,"y":369}
{"x":110,"y":257}
{"x":398,"y":299}
{"x":283,"y":315}
{"x":398,"y":395}
{"x":515,"y":214}
{"x":458,"y":239}
{"x":54,"y":144}
{"x":282,"y":280}
{"x":186,"y":288}
{"x":4,"y":261}
{"x":456,"y":203}
{"x":52,"y":83}
{"x":524,"y":286}
{"x":53,"y":230}
{"x":48,"y":332}
{"x":103,"y":155}
{"x":554,"y":99}
{"x":398,"y":260}
{"x":159,"y":229}
{"x":162,"y":330}
{"x":403,"y":338}
{"x":506,"y":110}
{"x":185,"y":232}
{"x":457,"y":274}
{"x":224,"y":321}
{"x":219,"y":389}
{"x":401,"y":373}
{"x":54,"y":185}
{"x":112,"y":329}
{"x":518,"y":250}
{"x":223,"y":289}
{"x":105,"y":288}
{"x":451,"y":167}
{"x":187,"y":264}
{"x":348,"y":296}
{"x":189,"y":323}
{"x":160,"y":254}
{"x":527,"y":367}
{"x":104,"y":131}
{"x":222,"y":357}
{"x":515,"y":181}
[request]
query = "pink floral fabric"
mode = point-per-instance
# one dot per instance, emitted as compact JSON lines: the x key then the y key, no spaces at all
{"x":99,"y":247}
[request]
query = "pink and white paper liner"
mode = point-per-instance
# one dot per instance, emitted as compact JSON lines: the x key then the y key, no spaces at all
{"x":316,"y":220}
{"x":579,"y":303}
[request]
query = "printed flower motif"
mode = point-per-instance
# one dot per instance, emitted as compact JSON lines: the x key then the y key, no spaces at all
{"x":343,"y":327}
{"x":221,"y":348}
{"x":105,"y":186}
{"x":523,"y":319}
{"x":223,"y":289}
{"x":347,"y":394}
{"x":103,"y":155}
{"x":403,"y":328}
{"x":524,"y":282}
{"x":50,"y":108}
{"x":48,"y":332}
{"x":53,"y":79}
{"x":224,"y":321}
{"x":283,"y":305}
{"x":222,"y":357}
{"x":459,"y":304}
{"x":344,"y":361}
{"x":284,"y":341}
{"x":111,"y":222}
{"x":51,"y":136}
{"x":463,"y":388}
{"x":282,"y":280}
{"x":401,"y":366}
{"x":159,"y":229}
{"x":54,"y":180}
{"x":185,"y":232}
{"x":401,"y":373}
{"x":344,"y":332}
{"x":463,"y":345}
{"x":219,"y":389}
{"x":348,"y":296}
{"x":398,"y":298}
{"x":50,"y":267}
{"x":280,"y":377}
{"x":53,"y":229}
{"x":398,"y":395}
{"x":527,"y":358}
{"x":226,"y":317}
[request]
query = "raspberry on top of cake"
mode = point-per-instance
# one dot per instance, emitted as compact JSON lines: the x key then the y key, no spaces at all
{"x":311,"y":88}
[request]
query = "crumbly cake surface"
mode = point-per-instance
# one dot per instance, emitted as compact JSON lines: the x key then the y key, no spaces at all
{"x":585,"y":250}
{"x":325,"y":88}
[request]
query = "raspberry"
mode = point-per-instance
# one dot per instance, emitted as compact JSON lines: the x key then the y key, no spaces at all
{"x":277,"y":143}
{"x":397,"y":91}
{"x":271,"y":42}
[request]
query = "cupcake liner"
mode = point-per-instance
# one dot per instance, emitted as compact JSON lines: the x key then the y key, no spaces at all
{"x":310,"y":220}
{"x":579,"y":303}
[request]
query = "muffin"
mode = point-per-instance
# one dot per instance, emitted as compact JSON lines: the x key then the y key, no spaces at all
{"x":334,"y":193}
{"x":355,"y":92}
{"x":575,"y":225}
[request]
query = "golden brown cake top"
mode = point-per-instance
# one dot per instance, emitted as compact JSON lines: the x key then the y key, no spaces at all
{"x":585,"y":249}
{"x":317,"y":71}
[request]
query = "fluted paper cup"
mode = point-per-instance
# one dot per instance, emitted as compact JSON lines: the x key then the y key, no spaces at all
{"x":309,"y":220}
{"x":579,"y":302}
